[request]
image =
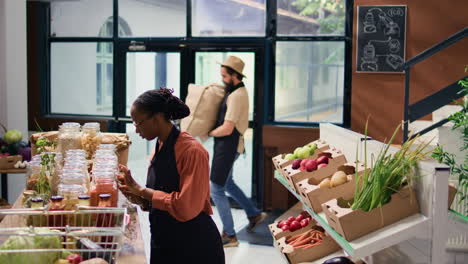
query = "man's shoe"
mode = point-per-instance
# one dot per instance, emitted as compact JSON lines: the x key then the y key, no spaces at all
{"x":229,"y":241}
{"x":255,"y":221}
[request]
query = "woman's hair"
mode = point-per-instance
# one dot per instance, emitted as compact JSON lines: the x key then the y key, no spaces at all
{"x":162,"y":101}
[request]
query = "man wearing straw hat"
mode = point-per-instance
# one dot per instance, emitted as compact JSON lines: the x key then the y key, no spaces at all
{"x":231,"y":124}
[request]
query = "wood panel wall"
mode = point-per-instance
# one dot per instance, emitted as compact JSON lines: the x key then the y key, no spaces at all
{"x":381,"y":96}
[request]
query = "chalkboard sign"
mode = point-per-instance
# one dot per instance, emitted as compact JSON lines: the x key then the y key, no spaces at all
{"x":381,"y":38}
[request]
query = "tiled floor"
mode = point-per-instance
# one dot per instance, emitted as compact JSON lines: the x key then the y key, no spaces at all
{"x":404,"y":253}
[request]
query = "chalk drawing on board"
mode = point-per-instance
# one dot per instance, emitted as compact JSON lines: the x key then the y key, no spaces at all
{"x":369,"y":23}
{"x":381,"y":38}
{"x":394,"y":61}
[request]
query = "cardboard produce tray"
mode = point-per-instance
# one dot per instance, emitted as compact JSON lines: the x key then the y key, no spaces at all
{"x":280,"y":162}
{"x":278,"y":233}
{"x":314,"y":196}
{"x":295,"y":255}
{"x":352,"y":224}
{"x":293,"y":176}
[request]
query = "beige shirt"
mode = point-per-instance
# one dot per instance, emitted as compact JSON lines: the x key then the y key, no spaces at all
{"x":238,"y":112}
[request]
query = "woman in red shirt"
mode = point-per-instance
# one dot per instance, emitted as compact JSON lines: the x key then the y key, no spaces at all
{"x":177,"y":191}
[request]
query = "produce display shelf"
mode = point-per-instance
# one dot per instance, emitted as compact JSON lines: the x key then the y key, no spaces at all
{"x":458,"y":216}
{"x":459,"y":222}
{"x":375,"y":241}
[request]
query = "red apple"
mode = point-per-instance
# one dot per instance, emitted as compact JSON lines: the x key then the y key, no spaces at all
{"x":321,"y":165}
{"x":285,"y":227}
{"x":304,"y":222}
{"x":290,"y":219}
{"x":281,"y":223}
{"x":295,"y":225}
{"x":296,"y":164}
{"x":311,"y":165}
{"x":322,"y":159}
{"x":299,"y":218}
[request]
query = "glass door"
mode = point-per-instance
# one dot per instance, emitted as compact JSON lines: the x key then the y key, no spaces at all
{"x":146,"y":71}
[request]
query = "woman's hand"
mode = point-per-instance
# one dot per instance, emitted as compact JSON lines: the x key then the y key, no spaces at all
{"x":126,"y":182}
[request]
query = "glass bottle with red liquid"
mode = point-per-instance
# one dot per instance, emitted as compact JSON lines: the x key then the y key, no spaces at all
{"x":56,"y":204}
{"x":105,"y":219}
{"x":104,"y":183}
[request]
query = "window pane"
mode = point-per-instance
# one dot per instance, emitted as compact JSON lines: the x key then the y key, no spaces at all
{"x":85,"y":18}
{"x":311,"y":17}
{"x":309,"y":81}
{"x":207,"y":71}
{"x":228,"y":18}
{"x":78,"y":71}
{"x":151,"y":70}
{"x":154,"y":18}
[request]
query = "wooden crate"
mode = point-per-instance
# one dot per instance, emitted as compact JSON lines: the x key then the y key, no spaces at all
{"x":9,"y":162}
{"x":352,"y":224}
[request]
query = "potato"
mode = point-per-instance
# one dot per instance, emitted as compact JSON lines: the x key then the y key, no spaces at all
{"x":325,"y":183}
{"x":94,"y":261}
{"x":338,"y":178}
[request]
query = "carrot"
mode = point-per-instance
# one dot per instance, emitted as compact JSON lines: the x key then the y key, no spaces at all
{"x":302,"y":246}
{"x":312,"y":245}
{"x":298,"y":237}
{"x":302,"y":242}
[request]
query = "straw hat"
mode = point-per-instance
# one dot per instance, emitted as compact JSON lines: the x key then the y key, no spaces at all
{"x":234,"y":63}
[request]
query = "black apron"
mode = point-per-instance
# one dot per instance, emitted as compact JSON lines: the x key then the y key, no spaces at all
{"x":195,"y":241}
{"x":225,"y":148}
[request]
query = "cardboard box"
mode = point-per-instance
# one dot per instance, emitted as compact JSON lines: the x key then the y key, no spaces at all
{"x":280,"y":162}
{"x":9,"y":162}
{"x":294,"y":176}
{"x":298,"y":255}
{"x":452,"y":191}
{"x":352,"y":224}
{"x":314,"y":196}
{"x":278,"y":233}
{"x":121,"y":140}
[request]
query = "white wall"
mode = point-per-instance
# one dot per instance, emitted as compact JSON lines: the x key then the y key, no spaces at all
{"x":13,"y":80}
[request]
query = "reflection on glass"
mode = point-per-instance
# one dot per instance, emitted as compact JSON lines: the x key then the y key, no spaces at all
{"x":154,"y":18}
{"x":151,"y":70}
{"x":82,"y":72}
{"x":309,"y":83}
{"x":207,"y":71}
{"x":139,"y":154}
{"x":310,"y":17}
{"x":228,"y":18}
{"x":79,"y":18}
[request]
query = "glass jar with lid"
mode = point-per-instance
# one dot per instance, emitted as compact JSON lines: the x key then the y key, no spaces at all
{"x":103,"y":183}
{"x":111,"y":147}
{"x":69,"y":137}
{"x":70,"y":193}
{"x":32,"y":174}
{"x":91,"y":138}
{"x":75,"y":176}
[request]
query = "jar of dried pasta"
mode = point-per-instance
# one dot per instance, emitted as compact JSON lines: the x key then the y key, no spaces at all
{"x":91,"y":138}
{"x":69,"y":137}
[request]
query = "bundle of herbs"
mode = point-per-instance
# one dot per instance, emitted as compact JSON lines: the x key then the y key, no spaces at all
{"x":389,"y":173}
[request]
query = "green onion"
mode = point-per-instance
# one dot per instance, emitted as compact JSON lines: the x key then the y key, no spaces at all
{"x":388,"y":175}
